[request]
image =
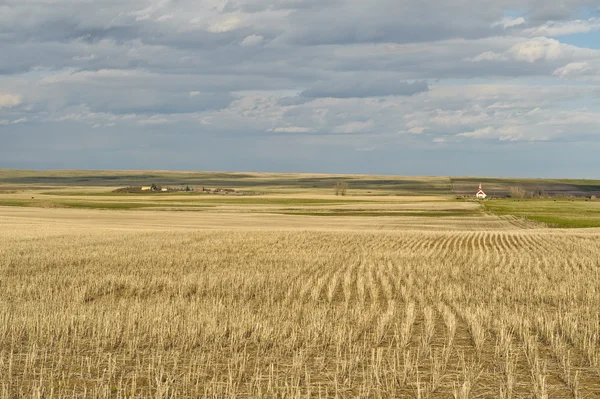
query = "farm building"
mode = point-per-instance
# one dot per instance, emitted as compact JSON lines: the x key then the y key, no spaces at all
{"x":480,"y":194}
{"x":146,"y":188}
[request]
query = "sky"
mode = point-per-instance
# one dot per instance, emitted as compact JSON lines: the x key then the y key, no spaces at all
{"x":399,"y":87}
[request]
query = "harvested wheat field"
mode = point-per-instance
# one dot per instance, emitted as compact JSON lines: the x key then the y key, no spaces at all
{"x":118,"y":304}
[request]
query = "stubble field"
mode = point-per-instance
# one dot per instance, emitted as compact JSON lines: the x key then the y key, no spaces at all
{"x":235,"y":303}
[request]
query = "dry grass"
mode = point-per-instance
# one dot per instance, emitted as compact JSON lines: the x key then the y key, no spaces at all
{"x":144,"y":304}
{"x":241,"y":219}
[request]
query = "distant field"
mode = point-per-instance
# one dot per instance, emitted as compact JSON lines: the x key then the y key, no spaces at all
{"x":501,"y":187}
{"x":302,"y":194}
{"x":556,"y":213}
{"x":269,"y":182}
{"x":124,"y":203}
{"x":284,"y":194}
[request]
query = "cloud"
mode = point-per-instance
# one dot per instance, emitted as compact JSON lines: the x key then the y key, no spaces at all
{"x":487,"y":131}
{"x":89,"y":57}
{"x":254,"y":6}
{"x":509,"y":22}
{"x":293,"y":129}
{"x":154,"y":121}
{"x":544,"y":10}
{"x":508,"y":133}
{"x":364,"y":87}
{"x":563,"y":28}
{"x":226,"y":25}
{"x":252,"y":40}
{"x":499,"y":113}
{"x":488,"y":56}
{"x":335,"y":75}
{"x":536,"y":49}
{"x":417,"y":130}
{"x":577,"y":69}
{"x":9,"y":100}
{"x":354,"y":127}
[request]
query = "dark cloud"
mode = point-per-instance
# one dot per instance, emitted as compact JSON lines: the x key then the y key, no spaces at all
{"x":559,"y":10}
{"x":550,"y":10}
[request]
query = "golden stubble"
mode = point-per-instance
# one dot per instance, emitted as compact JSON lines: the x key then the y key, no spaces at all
{"x":97,"y":305}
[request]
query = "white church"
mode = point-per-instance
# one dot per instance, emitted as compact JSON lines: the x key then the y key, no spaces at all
{"x":480,"y":194}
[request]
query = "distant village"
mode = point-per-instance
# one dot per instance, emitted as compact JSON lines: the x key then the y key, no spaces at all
{"x":190,"y":189}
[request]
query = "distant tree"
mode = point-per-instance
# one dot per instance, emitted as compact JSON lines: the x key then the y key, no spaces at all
{"x":520,"y":193}
{"x":539,"y":192}
{"x":340,"y":188}
{"x":154,"y":187}
{"x":516,"y":192}
{"x":187,"y":188}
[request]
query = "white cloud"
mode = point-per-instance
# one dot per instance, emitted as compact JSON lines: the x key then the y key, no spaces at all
{"x":293,"y":129}
{"x":226,"y":25}
{"x":194,"y":93}
{"x":165,"y":17}
{"x":252,"y":40}
{"x":537,"y":49}
{"x":70,"y":76}
{"x":488,"y":131}
{"x":506,"y":133}
{"x":417,"y":130}
{"x":506,"y":113}
{"x":9,"y":100}
{"x":509,"y":22}
{"x":354,"y":127}
{"x":576,"y":69}
{"x":488,"y":56}
{"x":534,"y":50}
{"x":154,"y":121}
{"x":563,"y":28}
{"x":460,"y":117}
{"x":89,"y":57}
{"x":147,"y":13}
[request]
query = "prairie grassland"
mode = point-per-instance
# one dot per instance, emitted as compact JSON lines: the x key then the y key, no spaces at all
{"x":564,"y":213}
{"x":173,"y":304}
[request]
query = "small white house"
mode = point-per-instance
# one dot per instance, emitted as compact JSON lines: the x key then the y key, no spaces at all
{"x":480,"y":193}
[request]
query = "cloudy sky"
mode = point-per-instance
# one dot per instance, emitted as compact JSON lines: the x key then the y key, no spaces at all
{"x":406,"y":87}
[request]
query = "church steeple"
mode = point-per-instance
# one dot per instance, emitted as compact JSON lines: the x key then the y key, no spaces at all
{"x":480,"y":193}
